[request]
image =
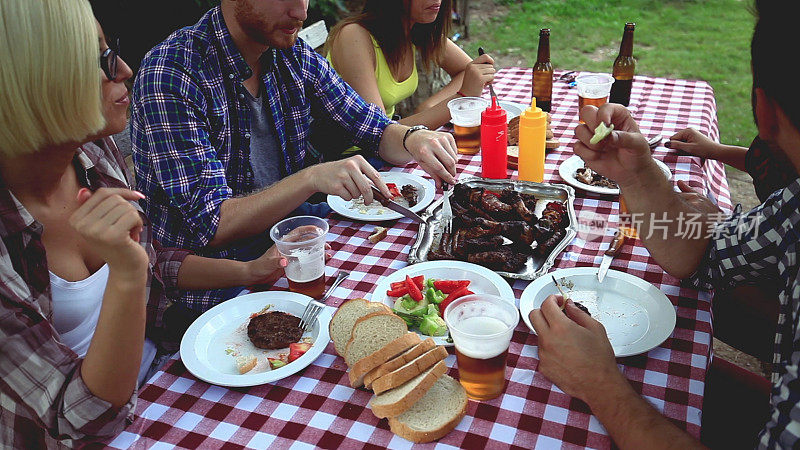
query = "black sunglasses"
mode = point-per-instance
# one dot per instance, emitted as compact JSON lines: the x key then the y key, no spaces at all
{"x":108,"y":61}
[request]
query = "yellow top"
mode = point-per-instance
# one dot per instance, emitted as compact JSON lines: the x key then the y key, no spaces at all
{"x":391,"y":91}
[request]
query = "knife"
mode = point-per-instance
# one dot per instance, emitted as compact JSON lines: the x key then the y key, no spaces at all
{"x":394,"y":206}
{"x":613,"y":250}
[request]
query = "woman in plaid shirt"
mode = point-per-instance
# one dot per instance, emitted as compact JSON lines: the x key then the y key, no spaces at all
{"x":69,"y":218}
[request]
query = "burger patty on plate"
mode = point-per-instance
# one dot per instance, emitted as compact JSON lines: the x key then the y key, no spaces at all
{"x":274,"y":330}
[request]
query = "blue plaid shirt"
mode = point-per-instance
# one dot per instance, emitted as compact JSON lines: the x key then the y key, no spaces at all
{"x":763,"y":244}
{"x":190,"y":130}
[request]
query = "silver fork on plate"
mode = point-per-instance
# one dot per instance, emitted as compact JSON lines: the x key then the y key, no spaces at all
{"x":447,"y":212}
{"x":314,"y":308}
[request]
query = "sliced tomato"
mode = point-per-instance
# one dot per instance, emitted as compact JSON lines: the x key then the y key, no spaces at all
{"x":393,"y":190}
{"x":397,"y":292}
{"x":452,"y":296}
{"x":419,"y":280}
{"x":297,"y":350}
{"x":275,"y":363}
{"x":448,"y":286}
{"x":413,"y":289}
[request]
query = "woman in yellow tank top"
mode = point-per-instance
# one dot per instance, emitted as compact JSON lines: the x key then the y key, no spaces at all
{"x":375,"y":52}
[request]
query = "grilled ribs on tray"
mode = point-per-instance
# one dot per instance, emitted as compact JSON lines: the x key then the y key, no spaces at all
{"x":485,"y":221}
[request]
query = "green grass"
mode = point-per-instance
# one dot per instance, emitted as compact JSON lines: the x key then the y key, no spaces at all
{"x":692,"y":39}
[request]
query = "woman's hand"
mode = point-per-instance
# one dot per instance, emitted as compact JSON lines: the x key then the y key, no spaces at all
{"x":477,"y":74}
{"x":111,"y":225}
{"x":268,"y":268}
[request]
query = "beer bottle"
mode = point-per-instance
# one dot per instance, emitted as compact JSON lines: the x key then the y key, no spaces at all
{"x":543,"y":72}
{"x":624,"y":68}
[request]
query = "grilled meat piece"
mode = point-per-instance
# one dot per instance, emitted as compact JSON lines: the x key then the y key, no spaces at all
{"x":518,"y":231}
{"x":410,"y":194}
{"x":556,"y":214}
{"x":483,"y":244}
{"x":545,"y":247}
{"x":530,"y":201}
{"x":273,"y":330}
{"x":466,"y":195}
{"x":543,"y":231}
{"x":494,"y":207}
{"x":504,"y":260}
{"x":511,"y":197}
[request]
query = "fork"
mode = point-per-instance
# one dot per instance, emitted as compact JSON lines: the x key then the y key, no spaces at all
{"x":447,"y":212}
{"x":314,"y":308}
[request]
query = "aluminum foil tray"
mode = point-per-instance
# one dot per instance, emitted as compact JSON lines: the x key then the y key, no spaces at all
{"x":430,"y":230}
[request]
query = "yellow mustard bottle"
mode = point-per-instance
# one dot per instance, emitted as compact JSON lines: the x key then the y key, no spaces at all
{"x":532,"y":133}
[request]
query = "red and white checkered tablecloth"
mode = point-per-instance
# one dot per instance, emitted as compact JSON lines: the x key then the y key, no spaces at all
{"x":317,"y":408}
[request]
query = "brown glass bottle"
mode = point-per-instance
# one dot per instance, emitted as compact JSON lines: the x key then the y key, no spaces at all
{"x":543,"y":72}
{"x":624,"y":68}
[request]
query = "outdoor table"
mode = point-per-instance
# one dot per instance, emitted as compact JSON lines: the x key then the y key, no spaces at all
{"x":318,"y":408}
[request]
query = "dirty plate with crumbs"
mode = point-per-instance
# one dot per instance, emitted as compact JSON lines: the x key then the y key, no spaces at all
{"x":212,"y":343}
{"x":356,"y":209}
{"x":637,"y":316}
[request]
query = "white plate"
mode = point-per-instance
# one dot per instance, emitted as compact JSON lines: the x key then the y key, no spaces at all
{"x":376,"y":213}
{"x":483,"y":281}
{"x":637,"y":316}
{"x":207,"y":345}
{"x":567,"y":172}
{"x":512,"y":109}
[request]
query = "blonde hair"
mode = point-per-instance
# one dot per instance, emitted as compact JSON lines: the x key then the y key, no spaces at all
{"x":50,"y":90}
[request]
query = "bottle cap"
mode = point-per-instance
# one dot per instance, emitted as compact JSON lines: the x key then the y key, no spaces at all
{"x":493,"y":115}
{"x":531,"y":116}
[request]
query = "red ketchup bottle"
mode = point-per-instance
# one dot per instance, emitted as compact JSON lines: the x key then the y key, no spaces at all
{"x":494,"y":142}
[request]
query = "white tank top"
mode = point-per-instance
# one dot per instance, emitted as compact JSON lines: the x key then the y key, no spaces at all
{"x":76,"y":309}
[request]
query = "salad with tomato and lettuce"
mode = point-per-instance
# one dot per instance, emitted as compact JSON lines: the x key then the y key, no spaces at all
{"x":421,"y":302}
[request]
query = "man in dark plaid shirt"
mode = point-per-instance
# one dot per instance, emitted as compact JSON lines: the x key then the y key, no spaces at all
{"x":762,"y":245}
{"x":193,"y":129}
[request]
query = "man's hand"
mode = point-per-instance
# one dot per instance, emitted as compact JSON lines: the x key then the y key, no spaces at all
{"x":624,"y":155}
{"x":436,"y":153}
{"x":477,"y":74}
{"x":694,"y":143}
{"x":348,"y":178}
{"x":574,"y":351}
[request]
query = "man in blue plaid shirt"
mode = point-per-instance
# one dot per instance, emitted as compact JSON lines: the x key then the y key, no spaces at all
{"x":220,"y":117}
{"x":574,"y":351}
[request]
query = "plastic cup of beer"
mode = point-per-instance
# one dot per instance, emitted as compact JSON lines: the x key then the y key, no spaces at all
{"x":593,"y":89}
{"x":301,"y":240}
{"x":481,"y":326}
{"x":465,"y":114}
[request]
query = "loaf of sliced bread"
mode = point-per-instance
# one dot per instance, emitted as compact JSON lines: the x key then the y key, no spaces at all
{"x":389,"y":351}
{"x":345,"y":317}
{"x":398,"y":361}
{"x":437,"y":413}
{"x":410,"y":370}
{"x":371,"y":333}
{"x":396,"y":401}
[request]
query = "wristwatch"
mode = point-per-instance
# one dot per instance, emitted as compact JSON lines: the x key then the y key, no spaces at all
{"x":412,"y":130}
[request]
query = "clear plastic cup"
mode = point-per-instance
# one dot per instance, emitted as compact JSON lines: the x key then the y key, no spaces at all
{"x":465,"y":114}
{"x":481,"y":326}
{"x":301,"y":240}
{"x":593,"y":89}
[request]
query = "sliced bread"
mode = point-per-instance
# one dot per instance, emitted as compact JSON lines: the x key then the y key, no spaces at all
{"x":389,"y":351}
{"x":371,"y":333}
{"x":396,"y":401}
{"x":435,"y":414}
{"x":410,"y":370}
{"x":345,"y":317}
{"x":398,"y":361}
